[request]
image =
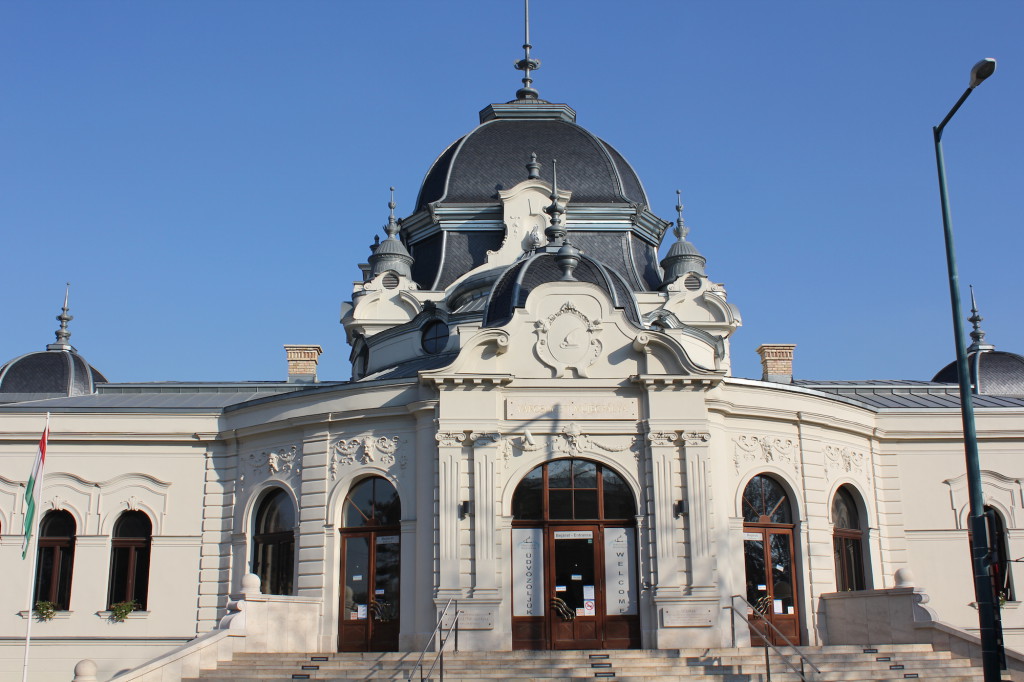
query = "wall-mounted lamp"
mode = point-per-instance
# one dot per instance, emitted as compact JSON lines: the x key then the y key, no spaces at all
{"x":465,"y":509}
{"x":680,"y":508}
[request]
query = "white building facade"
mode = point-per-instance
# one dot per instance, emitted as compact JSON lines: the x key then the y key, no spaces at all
{"x":541,"y":424}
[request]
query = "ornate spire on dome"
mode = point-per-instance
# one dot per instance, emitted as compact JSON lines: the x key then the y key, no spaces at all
{"x":681,"y":230}
{"x":683,"y":257}
{"x":62,"y":334}
{"x":555,"y":231}
{"x":392,"y":227}
{"x":527,"y":63}
{"x":391,"y":253}
{"x":977,"y":335}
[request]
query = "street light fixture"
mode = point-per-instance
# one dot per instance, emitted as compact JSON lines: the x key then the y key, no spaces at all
{"x":991,"y":646}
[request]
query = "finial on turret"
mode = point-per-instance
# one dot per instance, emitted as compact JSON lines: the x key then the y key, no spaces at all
{"x":533,"y":168}
{"x":527,"y":63}
{"x":63,"y":334}
{"x":681,"y":229}
{"x":977,"y":335}
{"x":555,"y":231}
{"x":392,"y":227}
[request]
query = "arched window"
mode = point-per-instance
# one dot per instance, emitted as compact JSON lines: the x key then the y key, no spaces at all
{"x":999,"y":569}
{"x":273,"y":539}
{"x":129,"y":560}
{"x":572,"y":489}
{"x":765,"y":501}
{"x":56,"y":559}
{"x":847,"y":542}
{"x":372,"y":502}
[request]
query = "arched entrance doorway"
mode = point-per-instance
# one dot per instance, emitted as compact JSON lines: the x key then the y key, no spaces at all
{"x":768,"y":552}
{"x":574,"y":577}
{"x":370,"y":552}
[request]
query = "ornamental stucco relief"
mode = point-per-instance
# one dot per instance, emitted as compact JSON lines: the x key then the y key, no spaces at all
{"x":280,"y":462}
{"x":842,"y":460}
{"x":574,"y":442}
{"x":767,"y":449}
{"x":567,"y":339}
{"x":365,"y":449}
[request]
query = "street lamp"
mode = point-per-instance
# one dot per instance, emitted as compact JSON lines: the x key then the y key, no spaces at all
{"x":991,"y":646}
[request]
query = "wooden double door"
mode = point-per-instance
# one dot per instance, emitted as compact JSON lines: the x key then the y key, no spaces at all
{"x":574,"y":587}
{"x":370,"y":584}
{"x":771,"y":590}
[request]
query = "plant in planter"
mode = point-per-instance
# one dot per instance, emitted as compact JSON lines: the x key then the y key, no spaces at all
{"x":45,"y":610}
{"x":120,"y":610}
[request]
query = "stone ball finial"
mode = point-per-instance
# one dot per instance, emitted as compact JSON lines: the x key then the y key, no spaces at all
{"x":85,"y":671}
{"x":251,"y":584}
{"x":904,"y":577}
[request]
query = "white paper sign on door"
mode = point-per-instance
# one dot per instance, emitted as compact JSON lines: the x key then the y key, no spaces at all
{"x":527,"y":572}
{"x":620,"y":571}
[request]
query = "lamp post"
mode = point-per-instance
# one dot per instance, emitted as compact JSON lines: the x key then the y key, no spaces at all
{"x":991,"y":654}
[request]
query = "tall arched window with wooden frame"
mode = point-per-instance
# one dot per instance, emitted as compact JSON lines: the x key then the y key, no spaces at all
{"x":56,"y":559}
{"x":129,"y":560}
{"x":273,"y":540}
{"x":999,"y":566}
{"x":847,"y":542}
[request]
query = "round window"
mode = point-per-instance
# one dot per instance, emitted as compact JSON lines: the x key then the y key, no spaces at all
{"x":435,"y":337}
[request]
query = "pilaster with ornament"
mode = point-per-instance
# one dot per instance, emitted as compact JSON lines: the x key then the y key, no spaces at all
{"x":449,"y":461}
{"x":696,"y":453}
{"x":486,"y":455}
{"x":663,"y":452}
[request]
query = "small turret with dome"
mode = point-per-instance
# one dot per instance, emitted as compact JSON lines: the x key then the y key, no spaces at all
{"x":57,"y":372}
{"x":993,"y":372}
{"x":683,"y":257}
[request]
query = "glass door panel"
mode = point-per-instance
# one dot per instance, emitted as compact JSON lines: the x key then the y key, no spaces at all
{"x":574,"y":597}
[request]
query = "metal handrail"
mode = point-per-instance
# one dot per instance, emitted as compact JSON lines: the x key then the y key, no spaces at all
{"x":440,"y":621}
{"x":803,"y":659}
{"x":440,"y":654}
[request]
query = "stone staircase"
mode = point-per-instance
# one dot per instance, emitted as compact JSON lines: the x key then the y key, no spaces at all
{"x":877,"y":664}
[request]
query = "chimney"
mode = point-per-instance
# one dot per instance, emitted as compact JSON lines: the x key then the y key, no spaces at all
{"x":302,"y":361}
{"x":777,"y":362}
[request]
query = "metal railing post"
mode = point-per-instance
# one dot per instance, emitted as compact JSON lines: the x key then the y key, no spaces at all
{"x":767,"y":663}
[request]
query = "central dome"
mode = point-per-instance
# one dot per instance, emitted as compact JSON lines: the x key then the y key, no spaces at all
{"x":491,"y":158}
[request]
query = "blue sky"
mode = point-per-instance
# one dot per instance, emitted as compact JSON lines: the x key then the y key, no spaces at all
{"x":209,"y":174}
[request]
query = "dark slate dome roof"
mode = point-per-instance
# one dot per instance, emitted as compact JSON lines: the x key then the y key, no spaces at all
{"x":993,"y":372}
{"x":515,"y":284}
{"x":493,"y":156}
{"x":48,"y":373}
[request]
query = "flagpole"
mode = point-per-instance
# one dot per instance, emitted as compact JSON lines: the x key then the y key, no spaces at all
{"x":31,"y":593}
{"x":33,"y":525}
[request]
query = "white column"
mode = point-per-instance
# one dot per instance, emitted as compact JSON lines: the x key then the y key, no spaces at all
{"x":485,"y":538}
{"x":449,"y":456}
{"x":699,"y":521}
{"x":663,"y":452}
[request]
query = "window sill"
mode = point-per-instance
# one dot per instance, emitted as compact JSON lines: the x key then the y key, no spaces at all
{"x":134,"y":615}
{"x":60,"y":615}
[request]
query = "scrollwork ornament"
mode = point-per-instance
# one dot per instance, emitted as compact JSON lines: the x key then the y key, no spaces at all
{"x":696,"y":438}
{"x":574,"y":442}
{"x":843,"y":460}
{"x":662,"y":438}
{"x":364,"y":450}
{"x":450,"y":439}
{"x":768,"y":449}
{"x":132,"y":503}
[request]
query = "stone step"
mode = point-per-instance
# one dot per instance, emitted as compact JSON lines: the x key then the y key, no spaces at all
{"x":747,"y":664}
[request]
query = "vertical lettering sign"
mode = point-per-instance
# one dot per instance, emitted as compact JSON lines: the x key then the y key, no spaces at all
{"x":527,"y":572}
{"x":620,"y":571}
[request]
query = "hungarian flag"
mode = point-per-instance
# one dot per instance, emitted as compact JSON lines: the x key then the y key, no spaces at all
{"x":34,"y":488}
